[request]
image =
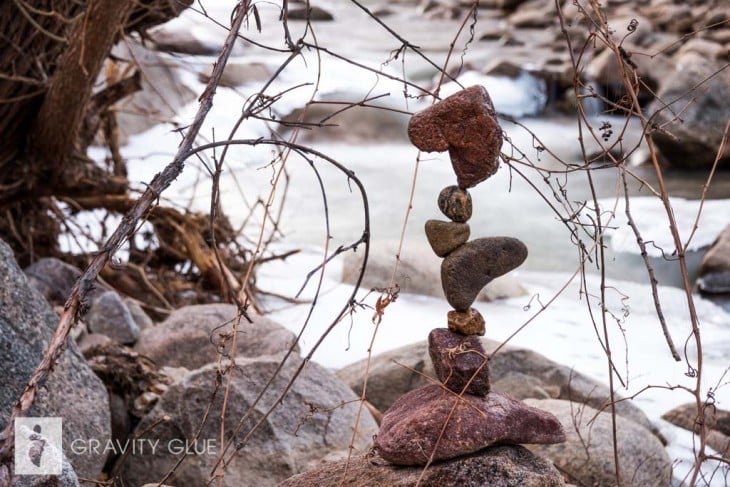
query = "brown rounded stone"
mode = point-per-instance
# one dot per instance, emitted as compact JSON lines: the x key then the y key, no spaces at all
{"x":433,"y":423}
{"x":466,"y":125}
{"x":466,"y":270}
{"x":445,"y":237}
{"x":455,"y":203}
{"x":469,"y":322}
{"x":459,"y":361}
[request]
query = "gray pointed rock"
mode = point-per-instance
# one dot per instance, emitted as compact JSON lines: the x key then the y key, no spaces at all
{"x":466,"y":270}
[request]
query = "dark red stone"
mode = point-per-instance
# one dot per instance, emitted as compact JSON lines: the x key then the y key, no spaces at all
{"x":466,"y":270}
{"x":433,"y":423}
{"x":466,"y":125}
{"x":459,"y":361}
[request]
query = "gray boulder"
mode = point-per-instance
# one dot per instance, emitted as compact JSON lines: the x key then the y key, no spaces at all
{"x":54,"y":279}
{"x":72,"y":390}
{"x":109,"y":315}
{"x":604,"y":69}
{"x":316,"y":418}
{"x":587,"y":457}
{"x":389,"y":380}
{"x":501,"y":466}
{"x":193,"y":336}
{"x":694,"y":120}
{"x":162,"y":94}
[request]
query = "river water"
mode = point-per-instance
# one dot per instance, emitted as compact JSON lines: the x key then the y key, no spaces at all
{"x":517,"y":201}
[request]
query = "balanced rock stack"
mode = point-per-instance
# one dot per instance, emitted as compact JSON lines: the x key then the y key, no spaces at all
{"x":461,"y":415}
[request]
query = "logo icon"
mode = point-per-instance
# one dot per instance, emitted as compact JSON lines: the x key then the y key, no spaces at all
{"x":38,"y":446}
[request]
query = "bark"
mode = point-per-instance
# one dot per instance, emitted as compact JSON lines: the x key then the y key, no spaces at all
{"x":55,"y":131}
{"x":51,"y":52}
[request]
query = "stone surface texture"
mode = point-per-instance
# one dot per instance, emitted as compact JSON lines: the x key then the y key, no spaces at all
{"x":110,"y":316}
{"x":465,"y":271}
{"x":445,"y":237}
{"x":499,"y":466}
{"x":434,"y":423}
{"x":469,"y":322}
{"x":466,"y":125}
{"x":316,"y":417}
{"x":455,"y":203}
{"x":587,"y":455}
{"x":72,"y":390}
{"x":191,"y":335}
{"x":459,"y":361}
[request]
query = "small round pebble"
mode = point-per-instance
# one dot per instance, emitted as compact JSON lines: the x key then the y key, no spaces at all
{"x":469,"y":322}
{"x":455,"y":203}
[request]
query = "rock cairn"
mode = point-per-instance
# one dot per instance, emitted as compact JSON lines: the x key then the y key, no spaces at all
{"x":461,"y":415}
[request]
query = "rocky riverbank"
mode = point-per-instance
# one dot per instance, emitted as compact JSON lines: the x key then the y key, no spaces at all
{"x":164,"y":396}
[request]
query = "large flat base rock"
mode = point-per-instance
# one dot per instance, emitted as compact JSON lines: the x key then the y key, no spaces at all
{"x":500,"y":466}
{"x":433,"y":423}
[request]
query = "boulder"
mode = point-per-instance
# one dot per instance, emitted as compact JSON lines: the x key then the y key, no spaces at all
{"x":237,"y":73}
{"x":694,"y":120}
{"x":716,"y":420}
{"x":499,"y":466}
{"x":418,"y":272}
{"x":433,"y":424}
{"x":162,"y":94}
{"x":54,"y":279}
{"x":587,"y":455}
{"x":309,"y":13}
{"x":72,"y":391}
{"x":109,"y":315}
{"x":344,"y":123}
{"x":714,"y":270}
{"x":193,"y":336}
{"x":533,"y":18}
{"x":182,"y":41}
{"x":316,"y":418}
{"x":706,"y":48}
{"x":604,"y":70}
{"x":389,"y":380}
{"x":138,"y":314}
